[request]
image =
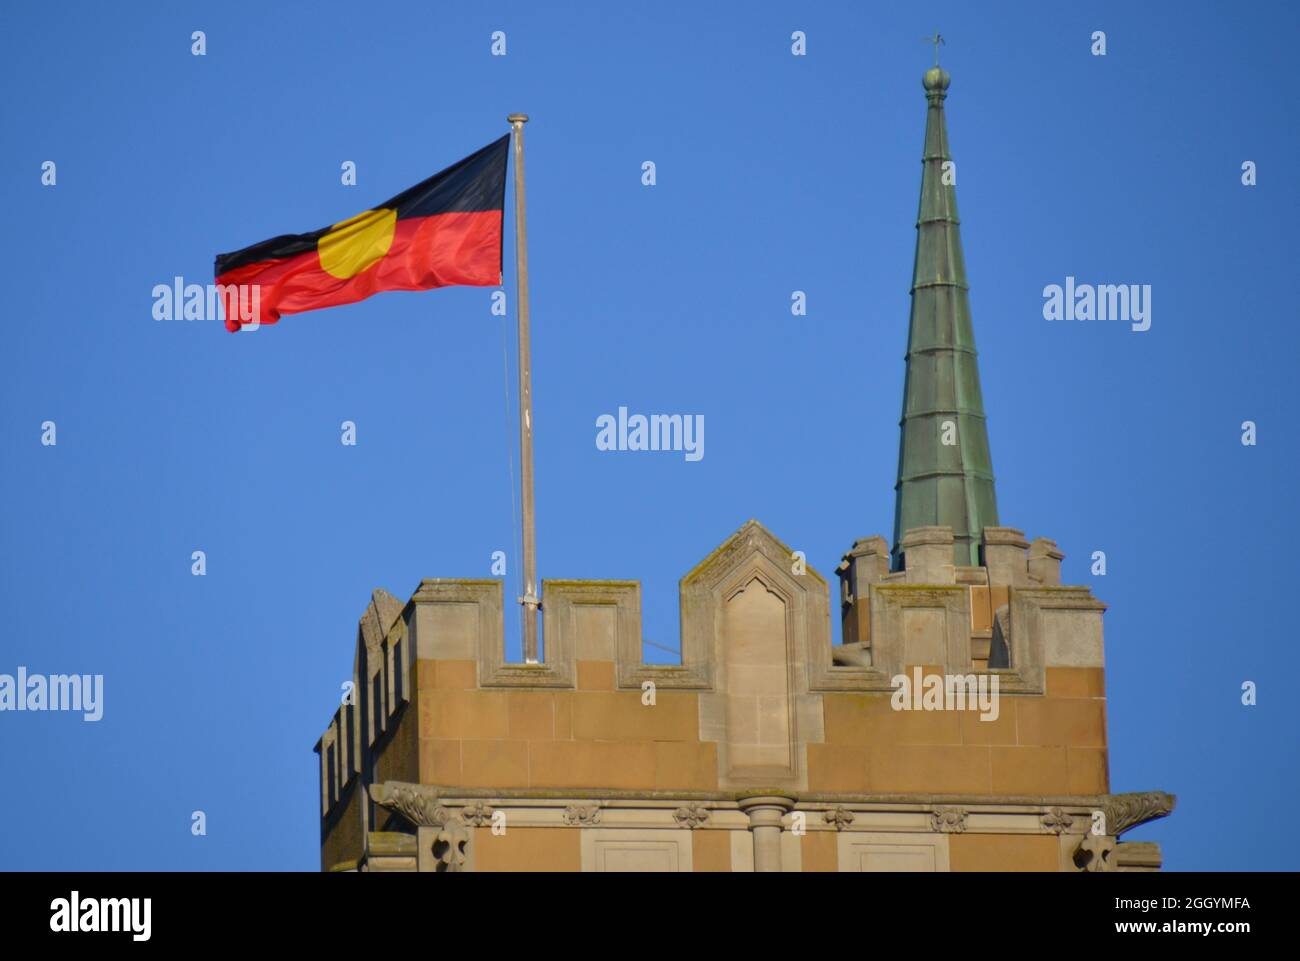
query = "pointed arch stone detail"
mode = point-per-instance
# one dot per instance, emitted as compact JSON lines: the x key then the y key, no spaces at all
{"x":752,"y":611}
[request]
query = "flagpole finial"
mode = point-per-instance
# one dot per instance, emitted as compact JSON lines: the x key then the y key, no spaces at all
{"x":517,"y":118}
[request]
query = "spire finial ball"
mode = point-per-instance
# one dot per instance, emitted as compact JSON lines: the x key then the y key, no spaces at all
{"x":936,"y":80}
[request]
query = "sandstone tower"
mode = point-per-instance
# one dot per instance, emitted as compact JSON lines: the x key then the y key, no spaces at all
{"x":768,"y":748}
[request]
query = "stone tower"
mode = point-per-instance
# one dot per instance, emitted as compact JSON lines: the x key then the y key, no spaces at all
{"x":960,"y":725}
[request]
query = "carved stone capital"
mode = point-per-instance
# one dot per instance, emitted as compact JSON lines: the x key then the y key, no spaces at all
{"x":766,"y":810}
{"x":767,"y":822}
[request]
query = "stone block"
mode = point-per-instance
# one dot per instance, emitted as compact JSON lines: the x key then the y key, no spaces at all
{"x":685,"y":766}
{"x":595,"y":628}
{"x":1000,"y":730}
{"x":455,"y":675}
{"x":928,"y":557}
{"x":577,"y":764}
{"x":1029,"y":770}
{"x":1088,"y":769}
{"x":981,"y":613}
{"x":439,"y":761}
{"x":531,"y":714}
{"x":711,"y":850}
{"x":820,"y":851}
{"x":1072,"y":638}
{"x":1003,"y":852}
{"x":464,"y":714}
{"x":1067,"y":722}
{"x":528,"y":849}
{"x":621,"y":716}
{"x":837,"y":768}
{"x":1076,"y":682}
{"x":447,"y":630}
{"x":595,"y":675}
{"x":1045,"y":562}
{"x":494,"y":764}
{"x":929,"y":769}
{"x":1006,"y":557}
{"x":847,"y":718}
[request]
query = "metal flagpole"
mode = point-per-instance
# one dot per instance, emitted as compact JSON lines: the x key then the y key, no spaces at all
{"x":530,"y":599}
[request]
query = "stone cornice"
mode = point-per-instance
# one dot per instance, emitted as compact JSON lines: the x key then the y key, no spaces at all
{"x":1123,"y":811}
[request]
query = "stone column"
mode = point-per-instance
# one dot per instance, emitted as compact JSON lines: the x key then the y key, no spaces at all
{"x":766,"y":812}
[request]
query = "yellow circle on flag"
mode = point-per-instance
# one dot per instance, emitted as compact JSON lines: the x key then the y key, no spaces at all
{"x":357,"y":243}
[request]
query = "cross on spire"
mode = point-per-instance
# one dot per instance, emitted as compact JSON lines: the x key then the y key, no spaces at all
{"x":936,"y":40}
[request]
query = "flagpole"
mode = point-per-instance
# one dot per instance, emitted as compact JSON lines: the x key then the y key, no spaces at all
{"x":530,"y":599}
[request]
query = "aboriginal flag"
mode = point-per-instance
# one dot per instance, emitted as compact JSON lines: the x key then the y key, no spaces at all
{"x":442,"y":232}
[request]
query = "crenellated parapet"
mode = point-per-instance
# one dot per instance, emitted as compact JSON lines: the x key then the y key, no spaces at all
{"x":1009,"y":614}
{"x":764,"y":705}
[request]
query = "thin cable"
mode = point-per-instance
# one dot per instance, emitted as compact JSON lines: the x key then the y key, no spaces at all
{"x":661,"y":647}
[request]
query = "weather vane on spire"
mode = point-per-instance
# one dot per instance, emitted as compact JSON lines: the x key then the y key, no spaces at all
{"x":936,"y":40}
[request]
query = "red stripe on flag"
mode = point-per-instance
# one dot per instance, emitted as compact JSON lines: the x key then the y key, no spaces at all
{"x":444,"y":250}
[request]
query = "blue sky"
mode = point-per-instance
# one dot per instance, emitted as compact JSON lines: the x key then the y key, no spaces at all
{"x":775,"y":173}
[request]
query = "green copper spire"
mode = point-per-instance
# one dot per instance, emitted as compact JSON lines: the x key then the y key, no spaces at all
{"x":945,"y":473}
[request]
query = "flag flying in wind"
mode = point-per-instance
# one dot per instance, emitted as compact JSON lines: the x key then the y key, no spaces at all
{"x":442,"y":232}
